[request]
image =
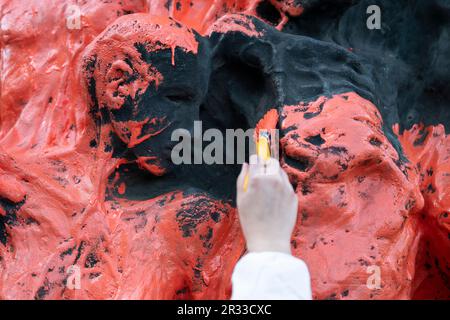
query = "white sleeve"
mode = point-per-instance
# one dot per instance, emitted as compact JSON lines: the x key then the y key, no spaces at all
{"x":270,"y":276}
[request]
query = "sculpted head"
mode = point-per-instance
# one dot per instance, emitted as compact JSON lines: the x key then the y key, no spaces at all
{"x":146,"y":76}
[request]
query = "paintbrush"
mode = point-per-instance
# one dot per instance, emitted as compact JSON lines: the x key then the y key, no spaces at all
{"x":263,"y":150}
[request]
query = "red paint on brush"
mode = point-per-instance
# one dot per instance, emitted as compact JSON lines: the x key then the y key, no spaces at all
{"x":269,"y":121}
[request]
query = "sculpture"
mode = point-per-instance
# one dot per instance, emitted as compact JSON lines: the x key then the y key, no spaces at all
{"x":87,"y":181}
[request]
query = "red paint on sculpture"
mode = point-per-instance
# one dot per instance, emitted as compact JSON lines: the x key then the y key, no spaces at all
{"x":59,"y":176}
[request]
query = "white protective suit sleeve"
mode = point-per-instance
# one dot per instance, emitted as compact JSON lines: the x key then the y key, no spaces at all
{"x":270,"y":276}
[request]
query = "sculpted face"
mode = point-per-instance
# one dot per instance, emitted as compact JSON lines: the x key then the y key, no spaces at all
{"x":150,"y":84}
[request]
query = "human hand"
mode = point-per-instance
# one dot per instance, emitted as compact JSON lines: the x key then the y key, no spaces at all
{"x":268,"y":207}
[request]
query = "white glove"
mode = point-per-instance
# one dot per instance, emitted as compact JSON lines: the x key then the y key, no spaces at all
{"x":268,"y":207}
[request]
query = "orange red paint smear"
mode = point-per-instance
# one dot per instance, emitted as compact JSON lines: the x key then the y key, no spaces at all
{"x":200,"y":15}
{"x":359,"y":205}
{"x":360,"y":208}
{"x":428,"y":148}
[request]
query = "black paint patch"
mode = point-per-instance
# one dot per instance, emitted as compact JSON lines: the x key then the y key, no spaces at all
{"x":316,"y":140}
{"x":10,"y":218}
{"x":192,"y":214}
{"x":68,"y":252}
{"x":80,"y":250}
{"x":206,"y":238}
{"x":43,"y":291}
{"x":91,"y":260}
{"x":267,"y":11}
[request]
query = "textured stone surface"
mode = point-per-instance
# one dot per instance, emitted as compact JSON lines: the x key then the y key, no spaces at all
{"x":85,"y":122}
